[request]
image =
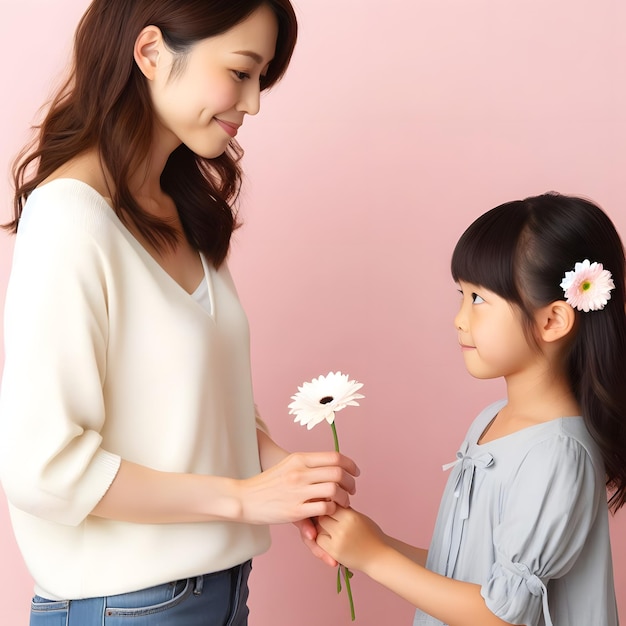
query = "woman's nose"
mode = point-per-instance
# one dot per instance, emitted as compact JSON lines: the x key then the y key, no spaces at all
{"x":250,"y":102}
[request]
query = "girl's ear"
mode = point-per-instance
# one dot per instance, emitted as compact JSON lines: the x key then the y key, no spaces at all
{"x":555,"y":321}
{"x":147,"y":50}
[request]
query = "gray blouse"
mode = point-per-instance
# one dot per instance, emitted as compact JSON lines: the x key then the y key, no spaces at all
{"x":525,"y":517}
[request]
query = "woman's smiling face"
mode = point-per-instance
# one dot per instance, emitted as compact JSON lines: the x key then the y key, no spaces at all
{"x":204,"y":102}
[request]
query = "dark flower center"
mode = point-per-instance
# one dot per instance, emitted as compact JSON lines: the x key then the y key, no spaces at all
{"x":326,"y":399}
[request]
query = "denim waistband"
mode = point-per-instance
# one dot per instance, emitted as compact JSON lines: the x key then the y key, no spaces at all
{"x":224,"y":588}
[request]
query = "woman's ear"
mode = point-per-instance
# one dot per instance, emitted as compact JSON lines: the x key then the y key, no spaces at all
{"x":147,"y":50}
{"x":555,"y":321}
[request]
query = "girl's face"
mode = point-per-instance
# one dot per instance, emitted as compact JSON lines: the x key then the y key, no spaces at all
{"x":204,"y":104}
{"x":491,"y":334}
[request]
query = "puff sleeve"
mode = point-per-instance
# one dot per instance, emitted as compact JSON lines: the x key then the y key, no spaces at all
{"x":546,"y":515}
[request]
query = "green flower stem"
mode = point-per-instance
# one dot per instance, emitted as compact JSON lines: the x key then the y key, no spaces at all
{"x":332,"y":426}
{"x":347,"y":574}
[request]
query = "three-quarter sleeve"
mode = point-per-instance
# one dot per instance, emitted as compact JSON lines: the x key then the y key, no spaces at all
{"x":52,"y":408}
{"x":546,"y":516}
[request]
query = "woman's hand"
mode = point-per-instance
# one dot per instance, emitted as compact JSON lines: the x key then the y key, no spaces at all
{"x":270,"y":454}
{"x":302,"y":485}
{"x":351,"y":538}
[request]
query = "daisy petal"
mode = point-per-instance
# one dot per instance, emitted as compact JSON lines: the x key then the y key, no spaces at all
{"x":321,"y":398}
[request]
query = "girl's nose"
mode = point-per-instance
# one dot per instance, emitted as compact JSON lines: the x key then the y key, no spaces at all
{"x":460,"y":320}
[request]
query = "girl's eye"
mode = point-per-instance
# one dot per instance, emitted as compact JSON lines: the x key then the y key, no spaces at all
{"x":476,"y":299}
{"x":241,"y":75}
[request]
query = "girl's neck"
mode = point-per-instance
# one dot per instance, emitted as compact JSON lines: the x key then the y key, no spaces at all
{"x":542,"y":395}
{"x":531,"y":400}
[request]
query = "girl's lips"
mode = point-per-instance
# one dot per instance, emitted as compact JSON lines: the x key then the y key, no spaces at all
{"x":228,"y":127}
{"x":464,"y":347}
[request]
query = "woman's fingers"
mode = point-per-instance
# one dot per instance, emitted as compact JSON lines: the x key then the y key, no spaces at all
{"x":344,"y":468}
{"x":302,"y":485}
{"x":327,"y":467}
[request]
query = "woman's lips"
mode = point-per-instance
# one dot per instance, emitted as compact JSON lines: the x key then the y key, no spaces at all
{"x":228,"y":127}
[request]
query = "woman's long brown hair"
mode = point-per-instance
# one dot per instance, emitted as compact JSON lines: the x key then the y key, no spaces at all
{"x":105,"y":105}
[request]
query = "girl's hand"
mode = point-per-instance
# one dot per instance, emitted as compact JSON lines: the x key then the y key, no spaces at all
{"x":351,"y":538}
{"x":308,"y":534}
{"x":300,"y":486}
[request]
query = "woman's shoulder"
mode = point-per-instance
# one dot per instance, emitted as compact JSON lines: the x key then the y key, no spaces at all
{"x":75,"y":196}
{"x":84,"y":168}
{"x":79,"y":182}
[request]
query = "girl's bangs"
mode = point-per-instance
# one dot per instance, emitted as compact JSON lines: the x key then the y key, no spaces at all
{"x":485,"y":253}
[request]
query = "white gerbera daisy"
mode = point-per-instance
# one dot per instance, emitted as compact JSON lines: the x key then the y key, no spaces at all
{"x":315,"y":402}
{"x":321,"y":398}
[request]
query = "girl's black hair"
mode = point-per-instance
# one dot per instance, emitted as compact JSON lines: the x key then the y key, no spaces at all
{"x":521,"y":250}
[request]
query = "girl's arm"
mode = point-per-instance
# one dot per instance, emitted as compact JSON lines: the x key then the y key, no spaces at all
{"x":358,"y":543}
{"x":417,"y":555}
{"x":298,"y":486}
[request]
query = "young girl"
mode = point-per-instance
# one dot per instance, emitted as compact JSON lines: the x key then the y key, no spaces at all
{"x":139,"y":484}
{"x":522,"y":533}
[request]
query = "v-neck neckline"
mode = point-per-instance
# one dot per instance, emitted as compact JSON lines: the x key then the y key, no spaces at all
{"x":135,"y":243}
{"x":208,"y":280}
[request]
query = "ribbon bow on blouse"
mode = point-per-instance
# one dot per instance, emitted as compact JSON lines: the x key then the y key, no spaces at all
{"x":460,"y":511}
{"x":465,"y":478}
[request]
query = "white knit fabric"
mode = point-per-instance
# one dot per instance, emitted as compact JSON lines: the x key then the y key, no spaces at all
{"x":107,"y":357}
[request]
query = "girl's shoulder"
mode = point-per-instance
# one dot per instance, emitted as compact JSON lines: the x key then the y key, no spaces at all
{"x":570,"y":427}
{"x":555,"y":446}
{"x":483,"y":419}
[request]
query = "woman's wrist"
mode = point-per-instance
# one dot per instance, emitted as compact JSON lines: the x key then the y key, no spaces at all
{"x":221,"y":499}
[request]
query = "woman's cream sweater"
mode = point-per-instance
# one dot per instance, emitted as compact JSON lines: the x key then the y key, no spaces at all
{"x":108,"y":358}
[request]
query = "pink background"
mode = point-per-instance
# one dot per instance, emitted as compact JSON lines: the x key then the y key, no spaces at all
{"x":397,"y":124}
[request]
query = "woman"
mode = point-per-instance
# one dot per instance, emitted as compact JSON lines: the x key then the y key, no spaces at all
{"x":139,"y":484}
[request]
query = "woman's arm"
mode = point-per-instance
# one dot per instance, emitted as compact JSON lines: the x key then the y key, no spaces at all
{"x":297,"y":486}
{"x":270,"y":453}
{"x":358,"y":543}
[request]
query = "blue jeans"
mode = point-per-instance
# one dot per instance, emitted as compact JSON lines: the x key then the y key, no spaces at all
{"x":218,"y":599}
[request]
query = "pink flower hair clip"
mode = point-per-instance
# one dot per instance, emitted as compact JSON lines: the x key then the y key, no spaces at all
{"x":588,"y":287}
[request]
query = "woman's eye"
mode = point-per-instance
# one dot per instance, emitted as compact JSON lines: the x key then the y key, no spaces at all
{"x":241,"y":75}
{"x":476,"y":299}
